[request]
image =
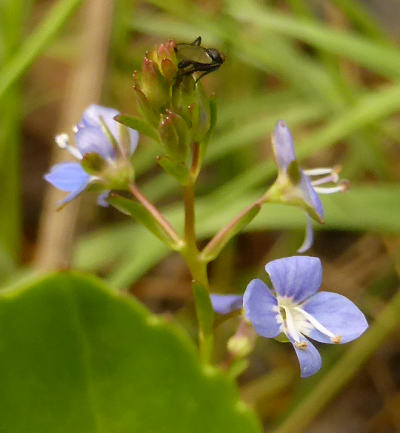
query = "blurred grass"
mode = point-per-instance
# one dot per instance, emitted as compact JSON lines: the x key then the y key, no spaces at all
{"x":16,"y":55}
{"x":329,"y":70}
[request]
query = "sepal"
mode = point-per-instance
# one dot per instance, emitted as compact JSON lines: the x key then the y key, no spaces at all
{"x":140,"y":125}
{"x":175,"y":168}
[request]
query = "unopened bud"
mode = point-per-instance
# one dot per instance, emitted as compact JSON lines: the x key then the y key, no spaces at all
{"x":145,"y":107}
{"x":174,"y":134}
{"x":242,"y":343}
{"x":154,"y":85}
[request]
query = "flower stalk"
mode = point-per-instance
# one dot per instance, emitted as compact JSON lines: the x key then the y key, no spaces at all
{"x":157,"y":215}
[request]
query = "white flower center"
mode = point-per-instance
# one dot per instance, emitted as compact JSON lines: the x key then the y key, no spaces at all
{"x":295,"y":321}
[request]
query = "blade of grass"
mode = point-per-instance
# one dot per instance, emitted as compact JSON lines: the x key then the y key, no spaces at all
{"x":12,"y":18}
{"x":35,"y":43}
{"x":366,"y":52}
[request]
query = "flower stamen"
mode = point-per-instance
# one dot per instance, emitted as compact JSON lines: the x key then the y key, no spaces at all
{"x":333,"y":177}
{"x":289,"y":324}
{"x":62,"y":141}
{"x":302,"y":345}
{"x":319,"y":326}
{"x":341,"y":187}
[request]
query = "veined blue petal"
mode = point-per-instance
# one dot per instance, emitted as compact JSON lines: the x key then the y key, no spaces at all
{"x":68,"y":176}
{"x":309,"y":357}
{"x":310,"y":196}
{"x":309,"y":237}
{"x":337,"y":314}
{"x":91,"y":117}
{"x":261,"y":309}
{"x":224,"y":304}
{"x":92,"y":139}
{"x":282,"y":144}
{"x":102,"y":198}
{"x":296,"y":277}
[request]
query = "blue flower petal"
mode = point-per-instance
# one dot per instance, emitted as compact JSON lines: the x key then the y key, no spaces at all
{"x":92,"y":115}
{"x":91,"y":139}
{"x":309,"y":237}
{"x":309,"y":358}
{"x":133,"y":140}
{"x":310,"y":196}
{"x":337,"y":314}
{"x":70,"y":197}
{"x":282,"y":144}
{"x":296,"y":277}
{"x":102,"y":199}
{"x":260,"y":308}
{"x":224,"y":304}
{"x":68,"y":176}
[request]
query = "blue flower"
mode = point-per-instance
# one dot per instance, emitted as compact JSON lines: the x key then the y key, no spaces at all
{"x":97,"y":134}
{"x":294,"y":185}
{"x":295,"y":309}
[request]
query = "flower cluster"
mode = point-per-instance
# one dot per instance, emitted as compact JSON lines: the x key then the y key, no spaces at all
{"x":176,"y":112}
{"x":103,"y":148}
{"x":295,"y":309}
{"x":175,"y":107}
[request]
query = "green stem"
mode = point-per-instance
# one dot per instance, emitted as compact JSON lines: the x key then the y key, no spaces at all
{"x":190,"y":234}
{"x":343,"y":370}
{"x":198,"y":270}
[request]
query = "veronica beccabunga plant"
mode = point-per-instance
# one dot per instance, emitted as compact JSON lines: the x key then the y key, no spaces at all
{"x":176,"y":112}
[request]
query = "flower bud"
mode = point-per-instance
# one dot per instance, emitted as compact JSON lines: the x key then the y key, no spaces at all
{"x":190,"y":101}
{"x":175,"y":137}
{"x":166,"y":60}
{"x":154,"y":85}
{"x":145,"y":107}
{"x":242,"y":343}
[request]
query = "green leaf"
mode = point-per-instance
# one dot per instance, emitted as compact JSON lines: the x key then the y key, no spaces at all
{"x":76,"y":357}
{"x":140,"y":125}
{"x":137,"y":211}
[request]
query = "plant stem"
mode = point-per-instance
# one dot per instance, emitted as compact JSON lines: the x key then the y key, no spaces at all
{"x":198,"y":270}
{"x":190,"y":235}
{"x":155,"y":212}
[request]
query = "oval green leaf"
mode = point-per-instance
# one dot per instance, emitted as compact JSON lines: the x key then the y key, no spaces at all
{"x":77,"y":357}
